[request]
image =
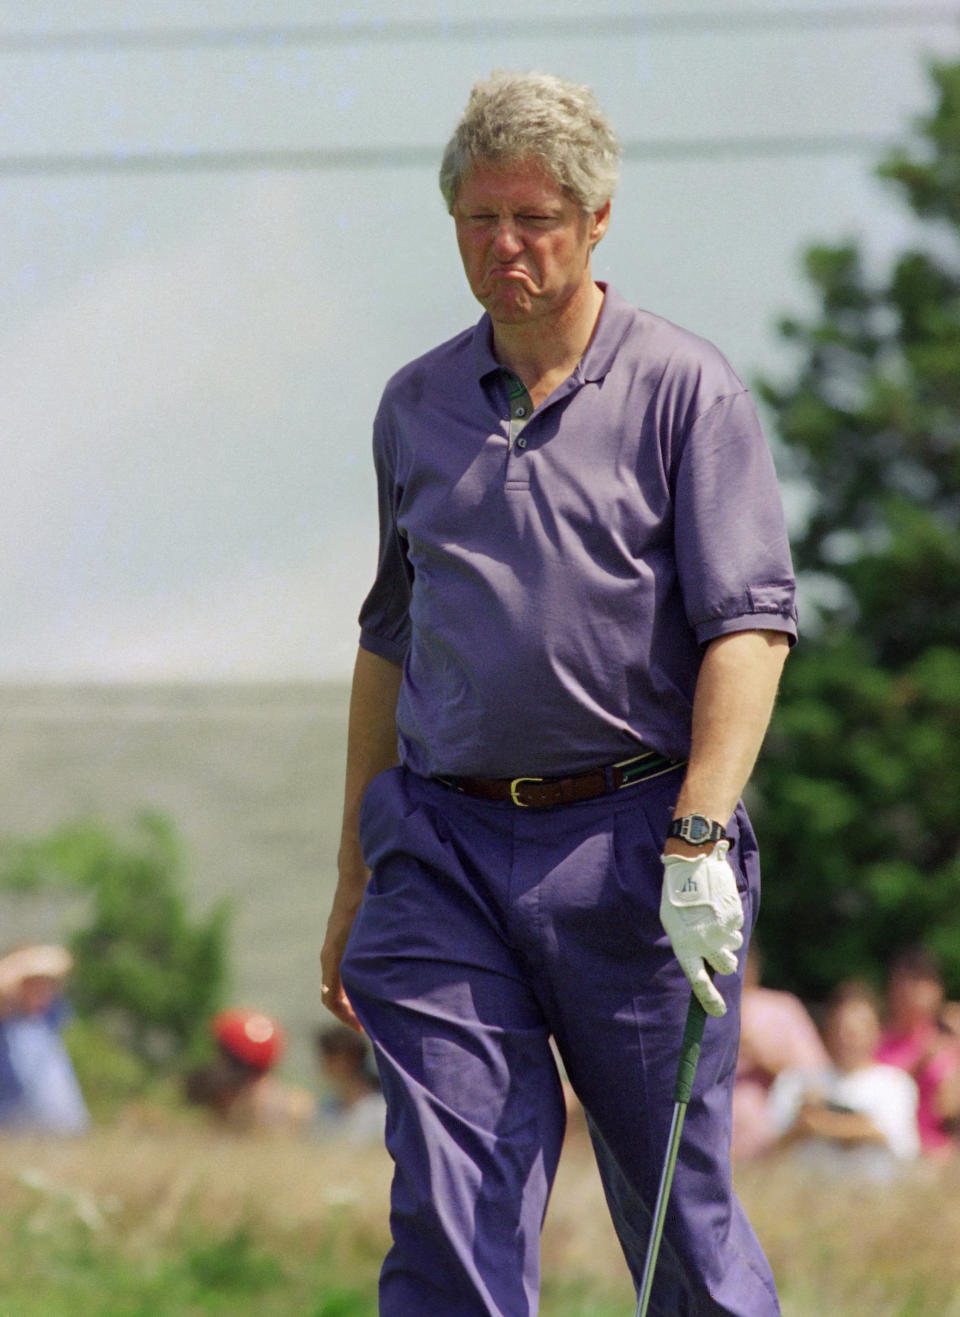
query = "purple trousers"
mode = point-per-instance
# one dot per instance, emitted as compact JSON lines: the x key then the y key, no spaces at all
{"x":485,"y":931}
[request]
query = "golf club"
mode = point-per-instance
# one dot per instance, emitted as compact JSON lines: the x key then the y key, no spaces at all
{"x":686,"y":1069}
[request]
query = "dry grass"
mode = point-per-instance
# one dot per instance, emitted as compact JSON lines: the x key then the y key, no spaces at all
{"x":860,"y":1250}
{"x":143,"y":1190}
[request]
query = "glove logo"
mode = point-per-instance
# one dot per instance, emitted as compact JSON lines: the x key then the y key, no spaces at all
{"x":689,"y":887}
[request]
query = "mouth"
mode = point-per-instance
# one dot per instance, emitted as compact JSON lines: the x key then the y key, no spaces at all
{"x":510,"y":283}
{"x":509,"y":272}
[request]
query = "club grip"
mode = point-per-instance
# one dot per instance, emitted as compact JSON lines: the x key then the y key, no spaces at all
{"x":689,"y":1050}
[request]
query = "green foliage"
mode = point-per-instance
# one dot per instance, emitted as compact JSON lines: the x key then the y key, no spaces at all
{"x":340,"y":1302}
{"x":70,"y":1272}
{"x":109,"y":1074}
{"x":144,"y":973}
{"x":858,"y":785}
{"x":233,"y":1263}
{"x":858,"y":816}
{"x":932,"y":182}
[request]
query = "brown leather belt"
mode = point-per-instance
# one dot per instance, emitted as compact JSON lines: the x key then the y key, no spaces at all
{"x":542,"y":792}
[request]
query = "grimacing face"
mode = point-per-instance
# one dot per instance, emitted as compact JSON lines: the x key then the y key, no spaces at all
{"x":525,"y":244}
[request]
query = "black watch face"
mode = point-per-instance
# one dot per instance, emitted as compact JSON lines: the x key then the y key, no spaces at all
{"x":699,"y":829}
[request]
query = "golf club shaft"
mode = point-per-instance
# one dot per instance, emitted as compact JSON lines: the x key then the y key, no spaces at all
{"x":686,"y":1069}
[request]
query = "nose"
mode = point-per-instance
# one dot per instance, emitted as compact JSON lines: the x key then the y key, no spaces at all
{"x":506,"y":239}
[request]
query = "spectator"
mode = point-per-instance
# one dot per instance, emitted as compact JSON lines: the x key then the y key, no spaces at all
{"x":922,"y":1036}
{"x":39,"y":1091}
{"x":352,"y":1108}
{"x":238,"y":1086}
{"x":856,"y":1117}
{"x":776,"y":1034}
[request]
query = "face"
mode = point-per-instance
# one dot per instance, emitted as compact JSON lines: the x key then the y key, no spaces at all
{"x":37,"y":994}
{"x":914,"y":998}
{"x":525,"y":245}
{"x":852,"y":1034}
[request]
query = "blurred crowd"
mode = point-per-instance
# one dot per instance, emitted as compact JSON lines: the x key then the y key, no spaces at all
{"x":239,"y":1086}
{"x":870,"y":1087}
{"x":860,"y":1087}
{"x":241,"y":1091}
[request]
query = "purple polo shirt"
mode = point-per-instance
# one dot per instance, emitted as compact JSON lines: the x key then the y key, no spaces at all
{"x":549,"y":595}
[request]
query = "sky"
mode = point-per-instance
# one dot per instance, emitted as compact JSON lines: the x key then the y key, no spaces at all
{"x":193,"y":340}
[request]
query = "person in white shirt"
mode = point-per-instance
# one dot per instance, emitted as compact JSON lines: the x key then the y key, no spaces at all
{"x":856,"y":1116}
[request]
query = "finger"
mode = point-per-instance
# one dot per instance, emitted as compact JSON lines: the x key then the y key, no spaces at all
{"x":703,"y":989}
{"x":337,"y":1002}
{"x":722,"y":961}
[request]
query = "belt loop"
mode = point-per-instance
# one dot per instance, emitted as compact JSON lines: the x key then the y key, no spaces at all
{"x":610,"y":782}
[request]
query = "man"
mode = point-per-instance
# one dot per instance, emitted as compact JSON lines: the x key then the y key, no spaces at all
{"x":582,"y":607}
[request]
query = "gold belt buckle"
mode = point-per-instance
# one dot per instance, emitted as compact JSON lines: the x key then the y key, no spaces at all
{"x":513,"y":789}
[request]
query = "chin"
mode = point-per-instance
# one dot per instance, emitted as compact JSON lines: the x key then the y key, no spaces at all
{"x":508,"y":310}
{"x":509,"y":317}
{"x":506,"y":298}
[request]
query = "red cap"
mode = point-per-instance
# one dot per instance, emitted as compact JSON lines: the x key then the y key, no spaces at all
{"x":250,"y":1036}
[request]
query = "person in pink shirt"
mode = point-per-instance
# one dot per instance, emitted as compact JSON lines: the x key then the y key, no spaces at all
{"x":776,"y":1034}
{"x":922,"y":1036}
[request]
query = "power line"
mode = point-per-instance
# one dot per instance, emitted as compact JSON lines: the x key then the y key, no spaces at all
{"x":412,"y":157}
{"x":473,"y":29}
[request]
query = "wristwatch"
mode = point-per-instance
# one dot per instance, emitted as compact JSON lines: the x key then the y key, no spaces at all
{"x":696,"y":828}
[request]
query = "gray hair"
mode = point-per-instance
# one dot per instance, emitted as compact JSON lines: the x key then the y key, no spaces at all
{"x":514,"y":115}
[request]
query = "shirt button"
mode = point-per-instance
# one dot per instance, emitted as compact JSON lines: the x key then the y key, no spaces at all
{"x":520,"y":411}
{"x":521,"y":442}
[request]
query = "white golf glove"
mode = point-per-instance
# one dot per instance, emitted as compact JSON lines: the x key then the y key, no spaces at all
{"x":702,"y":915}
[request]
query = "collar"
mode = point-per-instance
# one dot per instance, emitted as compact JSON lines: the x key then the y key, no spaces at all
{"x":613,"y":323}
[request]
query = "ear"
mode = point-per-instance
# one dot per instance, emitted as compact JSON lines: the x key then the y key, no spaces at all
{"x":599,"y":223}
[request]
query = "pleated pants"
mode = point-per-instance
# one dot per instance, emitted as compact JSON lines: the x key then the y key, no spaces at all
{"x":487,"y":930}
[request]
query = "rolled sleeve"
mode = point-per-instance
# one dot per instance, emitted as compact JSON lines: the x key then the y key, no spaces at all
{"x":384,"y":646}
{"x":732,"y":551}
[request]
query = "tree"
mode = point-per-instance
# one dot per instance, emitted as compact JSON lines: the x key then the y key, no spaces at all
{"x":857,"y":788}
{"x":143,"y":971}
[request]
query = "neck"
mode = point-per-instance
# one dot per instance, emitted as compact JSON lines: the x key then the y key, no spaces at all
{"x":543,"y":353}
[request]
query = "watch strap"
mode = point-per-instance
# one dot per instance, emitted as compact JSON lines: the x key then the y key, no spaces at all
{"x":697,"y":829}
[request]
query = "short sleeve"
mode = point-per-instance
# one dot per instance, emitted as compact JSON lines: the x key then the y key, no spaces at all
{"x":731,"y":544}
{"x":385,"y":613}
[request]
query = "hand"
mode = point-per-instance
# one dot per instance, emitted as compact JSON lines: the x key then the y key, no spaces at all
{"x":332,"y":993}
{"x":346,"y":903}
{"x":701,"y":912}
